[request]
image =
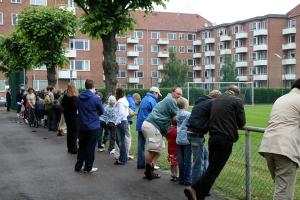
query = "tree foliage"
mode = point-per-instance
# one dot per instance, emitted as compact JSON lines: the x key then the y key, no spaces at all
{"x":104,"y":19}
{"x":176,"y":73}
{"x":228,"y":70}
{"x":45,"y":29}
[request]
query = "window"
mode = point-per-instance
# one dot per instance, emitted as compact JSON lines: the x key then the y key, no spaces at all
{"x":155,"y":61}
{"x":138,"y":74}
{"x":260,"y":40}
{"x":191,"y":36}
{"x":38,"y":2}
{"x":121,"y":60}
{"x":121,"y":47}
{"x":43,"y":67}
{"x":138,"y":34}
{"x":222,"y":31}
{"x":80,"y":44}
{"x":139,"y":61}
{"x":2,"y":85}
{"x":238,"y":29}
{"x":191,"y":62}
{"x":39,"y":85}
{"x":292,"y":23}
{"x":181,"y":36}
{"x":16,"y":1}
{"x":172,"y":48}
{"x":190,"y":49}
{"x":292,"y":38}
{"x":121,"y":74}
{"x":154,"y":48}
{"x":138,"y":86}
{"x":139,"y":48}
{"x":14,"y":18}
{"x":71,"y":3}
{"x":79,"y":84}
{"x":155,"y":74}
{"x":258,"y":25}
{"x":238,"y":43}
{"x":172,"y":36}
{"x":182,"y":49}
{"x":291,"y":54}
{"x":206,"y":34}
{"x":1,"y":18}
{"x":239,"y":57}
{"x":155,"y":35}
{"x":80,"y":65}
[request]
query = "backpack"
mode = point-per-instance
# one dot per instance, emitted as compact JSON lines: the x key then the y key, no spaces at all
{"x":47,"y":100}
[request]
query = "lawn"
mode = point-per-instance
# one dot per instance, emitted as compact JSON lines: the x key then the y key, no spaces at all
{"x":231,"y":182}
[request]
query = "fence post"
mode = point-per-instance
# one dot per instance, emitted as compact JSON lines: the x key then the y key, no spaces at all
{"x":248,"y":167}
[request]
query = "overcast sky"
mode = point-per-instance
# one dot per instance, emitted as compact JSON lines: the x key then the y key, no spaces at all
{"x":227,"y":11}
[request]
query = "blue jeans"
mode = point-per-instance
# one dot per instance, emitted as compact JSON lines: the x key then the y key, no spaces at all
{"x":200,"y":157}
{"x":121,"y":138}
{"x":185,"y":163}
{"x":141,"y":151}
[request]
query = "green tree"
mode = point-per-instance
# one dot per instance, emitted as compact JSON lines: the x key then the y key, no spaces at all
{"x":228,"y":70}
{"x":175,"y":73}
{"x":45,"y":29}
{"x":15,"y":54}
{"x":104,"y":19}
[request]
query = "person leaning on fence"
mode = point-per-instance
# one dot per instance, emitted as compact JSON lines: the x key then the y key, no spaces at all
{"x":281,"y":143}
{"x":227,"y":115}
{"x":197,"y":127}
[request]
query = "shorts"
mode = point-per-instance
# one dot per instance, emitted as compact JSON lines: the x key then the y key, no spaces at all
{"x":154,"y":140}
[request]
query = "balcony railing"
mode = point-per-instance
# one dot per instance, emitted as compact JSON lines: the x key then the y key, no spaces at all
{"x":132,"y":53}
{"x":291,"y":30}
{"x":225,"y":38}
{"x":71,"y":53}
{"x":289,"y":46}
{"x":289,"y":61}
{"x":241,"y":50}
{"x":133,"y":67}
{"x":241,"y":35}
{"x":163,"y":54}
{"x":163,"y":41}
{"x":67,"y":74}
{"x":133,"y":80}
{"x":132,"y":40}
{"x":260,"y":32}
{"x":197,"y":42}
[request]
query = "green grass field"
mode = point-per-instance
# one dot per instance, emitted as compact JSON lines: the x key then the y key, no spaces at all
{"x":231,"y":182}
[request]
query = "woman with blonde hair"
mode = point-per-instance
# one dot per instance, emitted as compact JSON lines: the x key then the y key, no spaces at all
{"x":69,"y":103}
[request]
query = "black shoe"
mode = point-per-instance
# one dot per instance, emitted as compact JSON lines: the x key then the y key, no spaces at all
{"x":72,"y":152}
{"x":119,"y":163}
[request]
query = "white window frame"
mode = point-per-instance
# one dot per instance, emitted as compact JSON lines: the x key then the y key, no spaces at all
{"x":16,"y":1}
{"x":2,"y":82}
{"x":86,"y":65}
{"x":39,"y":85}
{"x":181,"y":49}
{"x":190,"y":60}
{"x":139,"y":34}
{"x":122,"y":47}
{"x":14,"y":18}
{"x":155,"y":35}
{"x":138,"y":74}
{"x":155,"y":61}
{"x":181,"y":36}
{"x":153,"y":47}
{"x":138,"y":61}
{"x":122,"y":74}
{"x":193,"y":35}
{"x":138,"y":86}
{"x":292,"y":23}
{"x":37,"y":3}
{"x":79,"y":84}
{"x":155,"y":74}
{"x":190,"y":49}
{"x":121,"y":60}
{"x":86,"y":44}
{"x":172,"y":48}
{"x":1,"y":18}
{"x":139,"y":47}
{"x":172,"y":36}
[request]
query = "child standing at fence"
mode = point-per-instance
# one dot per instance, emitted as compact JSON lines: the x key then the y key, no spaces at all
{"x":172,"y":150}
{"x":183,"y":144}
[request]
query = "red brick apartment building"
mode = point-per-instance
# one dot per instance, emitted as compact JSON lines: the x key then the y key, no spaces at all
{"x":263,"y":48}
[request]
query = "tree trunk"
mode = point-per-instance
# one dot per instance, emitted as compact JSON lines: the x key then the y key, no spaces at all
{"x":110,"y":65}
{"x":51,"y":76}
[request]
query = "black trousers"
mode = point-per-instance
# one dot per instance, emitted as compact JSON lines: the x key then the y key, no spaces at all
{"x":86,"y":150}
{"x":72,"y":133}
{"x":220,"y":148}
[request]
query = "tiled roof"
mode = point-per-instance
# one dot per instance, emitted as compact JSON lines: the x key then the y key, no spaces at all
{"x":294,"y":12}
{"x":169,"y":21}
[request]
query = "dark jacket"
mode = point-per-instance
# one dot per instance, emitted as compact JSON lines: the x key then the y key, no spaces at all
{"x":69,"y":103}
{"x":89,"y":109}
{"x":132,"y":106}
{"x":199,"y":119}
{"x":227,"y":115}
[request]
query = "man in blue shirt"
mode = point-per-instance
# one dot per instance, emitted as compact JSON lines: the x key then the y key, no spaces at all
{"x":89,"y":109}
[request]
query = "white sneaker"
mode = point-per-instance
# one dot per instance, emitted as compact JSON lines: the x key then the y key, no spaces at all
{"x":112,"y":152}
{"x":94,"y":169}
{"x":156,"y":167}
{"x":101,"y":149}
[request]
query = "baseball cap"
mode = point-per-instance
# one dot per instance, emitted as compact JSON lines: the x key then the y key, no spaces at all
{"x":155,"y":89}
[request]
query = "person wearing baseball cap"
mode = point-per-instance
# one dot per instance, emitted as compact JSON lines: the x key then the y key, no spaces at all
{"x":155,"y":89}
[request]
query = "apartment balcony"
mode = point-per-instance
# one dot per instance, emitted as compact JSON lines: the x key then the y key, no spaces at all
{"x":225,"y":38}
{"x":197,"y":80}
{"x":209,"y":40}
{"x":132,"y":40}
{"x":211,"y":66}
{"x":133,"y":54}
{"x":71,"y":53}
{"x":160,"y":67}
{"x":68,"y":8}
{"x":289,"y":61}
{"x":241,"y":50}
{"x":241,"y":64}
{"x":163,"y":54}
{"x":133,"y":67}
{"x":260,"y":62}
{"x":197,"y":68}
{"x":225,"y":51}
{"x":133,"y":80}
{"x":242,"y":35}
{"x":163,"y":41}
{"x":286,"y":31}
{"x":287,"y":77}
{"x":289,"y":46}
{"x":242,"y":78}
{"x":197,"y":55}
{"x":260,"y":32}
{"x":260,"y":47}
{"x":260,"y":77}
{"x":197,"y":42}
{"x":67,"y":74}
{"x":209,"y":53}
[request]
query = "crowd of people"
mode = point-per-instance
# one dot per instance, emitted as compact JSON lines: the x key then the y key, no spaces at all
{"x":89,"y":122}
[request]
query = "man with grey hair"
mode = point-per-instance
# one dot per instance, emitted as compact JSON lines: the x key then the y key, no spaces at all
{"x":227,"y":115}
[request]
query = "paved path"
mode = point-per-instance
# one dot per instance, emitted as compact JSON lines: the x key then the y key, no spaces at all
{"x":34,"y":165}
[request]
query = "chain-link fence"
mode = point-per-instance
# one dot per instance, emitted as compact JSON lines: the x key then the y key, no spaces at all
{"x":233,"y":183}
